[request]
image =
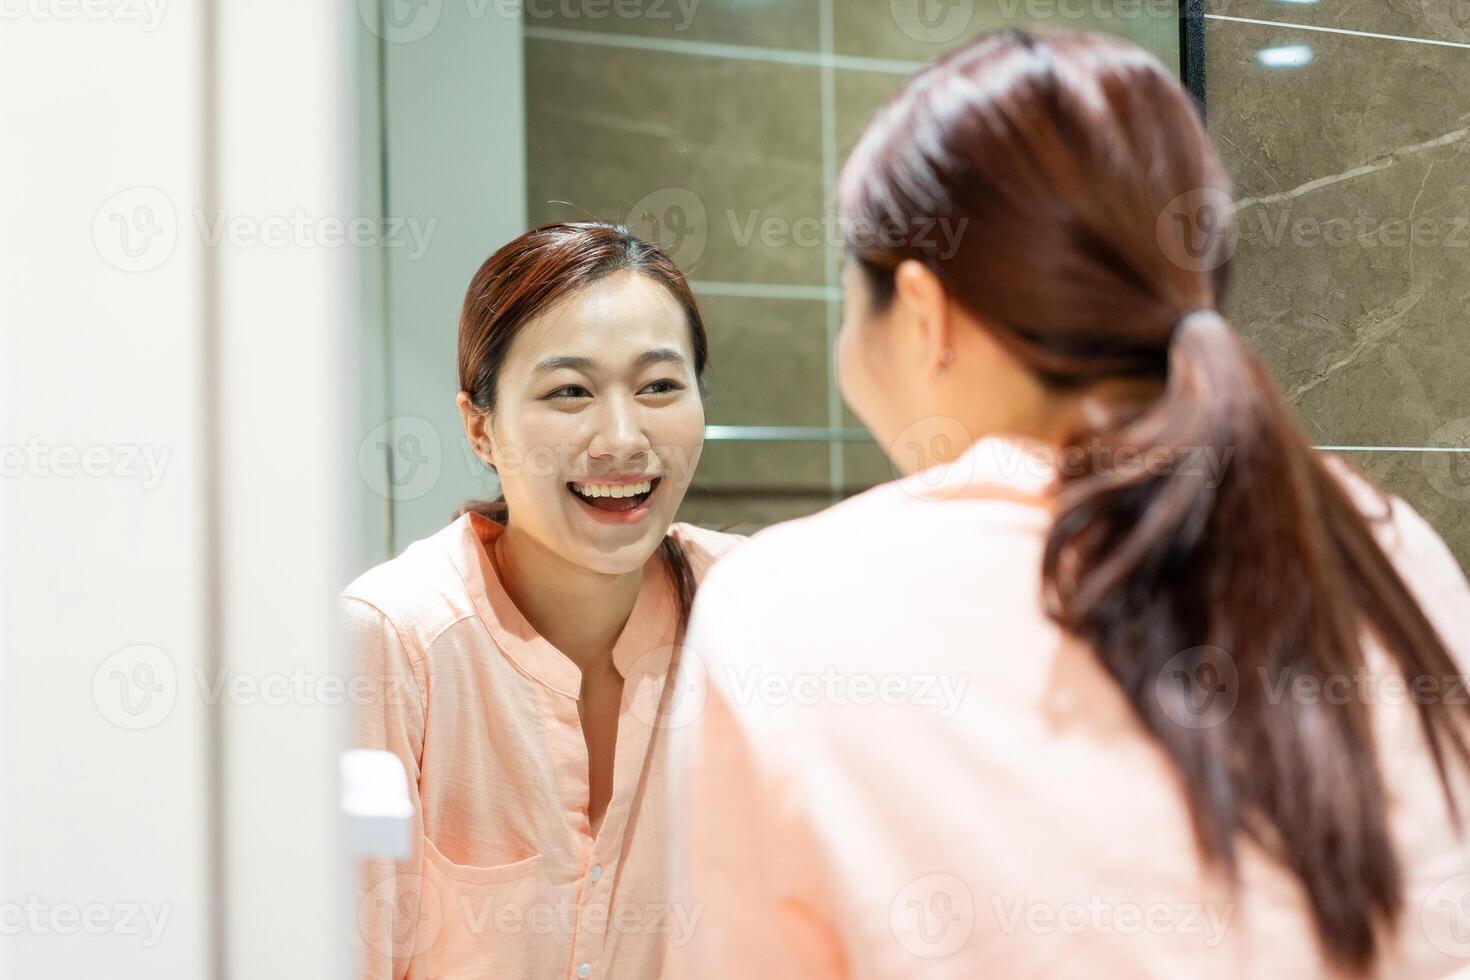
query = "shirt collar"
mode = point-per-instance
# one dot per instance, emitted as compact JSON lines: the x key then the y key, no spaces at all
{"x":645,"y":644}
{"x":1009,"y":466}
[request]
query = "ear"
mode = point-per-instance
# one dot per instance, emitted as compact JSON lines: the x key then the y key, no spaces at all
{"x":476,"y":427}
{"x":927,"y":314}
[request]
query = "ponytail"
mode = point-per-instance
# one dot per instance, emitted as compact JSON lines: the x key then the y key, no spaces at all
{"x":1185,"y":580}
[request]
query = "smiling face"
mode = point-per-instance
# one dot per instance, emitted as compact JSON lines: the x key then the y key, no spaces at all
{"x":598,"y":423}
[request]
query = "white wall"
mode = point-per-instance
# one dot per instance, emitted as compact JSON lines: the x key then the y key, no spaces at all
{"x":103,"y":573}
{"x":289,"y":370}
{"x":178,"y":488}
{"x":454,"y":126}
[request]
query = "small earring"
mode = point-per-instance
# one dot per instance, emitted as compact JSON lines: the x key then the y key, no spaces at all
{"x":945,"y":357}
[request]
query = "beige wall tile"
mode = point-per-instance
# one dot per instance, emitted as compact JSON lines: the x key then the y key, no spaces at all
{"x":724,"y":154}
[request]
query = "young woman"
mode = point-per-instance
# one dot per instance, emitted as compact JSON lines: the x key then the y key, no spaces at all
{"x":523,"y":651}
{"x":1129,"y":682}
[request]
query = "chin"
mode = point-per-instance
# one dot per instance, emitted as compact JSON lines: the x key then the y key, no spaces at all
{"x":621,"y":558}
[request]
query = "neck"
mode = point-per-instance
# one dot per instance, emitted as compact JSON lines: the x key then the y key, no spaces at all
{"x":1050,"y":417}
{"x":544,"y":587}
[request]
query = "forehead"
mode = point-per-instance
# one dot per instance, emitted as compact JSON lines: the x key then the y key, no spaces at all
{"x":614,"y":320}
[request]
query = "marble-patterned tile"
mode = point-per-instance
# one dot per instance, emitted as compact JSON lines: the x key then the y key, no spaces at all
{"x":765,"y":23}
{"x":1435,"y":20}
{"x":921,"y":30}
{"x":768,"y":361}
{"x":1352,"y":273}
{"x":1437,"y":485}
{"x":718,"y":159}
{"x":1331,"y":105}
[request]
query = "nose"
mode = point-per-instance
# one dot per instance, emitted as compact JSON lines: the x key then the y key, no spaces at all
{"x":618,"y":436}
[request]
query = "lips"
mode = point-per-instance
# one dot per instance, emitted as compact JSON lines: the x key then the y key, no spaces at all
{"x":622,"y":502}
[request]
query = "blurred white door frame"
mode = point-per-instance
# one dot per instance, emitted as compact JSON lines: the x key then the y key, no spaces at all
{"x":180,"y":327}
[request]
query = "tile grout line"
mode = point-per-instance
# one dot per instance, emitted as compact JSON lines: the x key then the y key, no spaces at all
{"x":1393,"y":449}
{"x":1339,"y":30}
{"x":764,"y":290}
{"x":745,"y":52}
{"x":802,"y":433}
{"x":836,"y":461}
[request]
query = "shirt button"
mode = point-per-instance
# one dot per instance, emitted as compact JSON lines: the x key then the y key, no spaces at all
{"x":584,"y":969}
{"x":595,"y":875}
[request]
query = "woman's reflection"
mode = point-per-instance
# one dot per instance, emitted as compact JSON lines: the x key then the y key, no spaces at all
{"x":523,"y":650}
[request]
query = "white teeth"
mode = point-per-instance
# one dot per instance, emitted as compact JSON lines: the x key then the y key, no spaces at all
{"x":612,"y":490}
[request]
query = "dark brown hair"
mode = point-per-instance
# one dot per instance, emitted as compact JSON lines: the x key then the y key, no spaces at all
{"x":1070,"y":159}
{"x":523,"y":279}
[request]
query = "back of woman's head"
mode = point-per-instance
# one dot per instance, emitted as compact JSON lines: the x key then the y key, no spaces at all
{"x":1096,"y":233}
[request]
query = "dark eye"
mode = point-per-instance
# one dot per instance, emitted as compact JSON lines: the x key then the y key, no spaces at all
{"x":569,"y":391}
{"x":664,"y":387}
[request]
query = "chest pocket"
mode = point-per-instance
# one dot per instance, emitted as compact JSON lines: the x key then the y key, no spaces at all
{"x":482,"y":920}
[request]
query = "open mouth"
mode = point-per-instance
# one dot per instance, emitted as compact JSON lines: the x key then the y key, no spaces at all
{"x":618,"y":502}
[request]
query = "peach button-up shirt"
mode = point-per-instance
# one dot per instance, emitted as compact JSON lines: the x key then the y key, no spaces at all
{"x":505,"y":878}
{"x":902,"y":768}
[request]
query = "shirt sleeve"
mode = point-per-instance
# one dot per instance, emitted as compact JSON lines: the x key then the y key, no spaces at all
{"x":390,"y":709}
{"x":743,"y":853}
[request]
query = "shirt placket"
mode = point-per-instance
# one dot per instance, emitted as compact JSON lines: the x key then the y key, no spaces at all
{"x":595,"y":907}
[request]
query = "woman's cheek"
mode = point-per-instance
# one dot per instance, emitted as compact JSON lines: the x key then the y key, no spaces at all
{"x":683,"y":442}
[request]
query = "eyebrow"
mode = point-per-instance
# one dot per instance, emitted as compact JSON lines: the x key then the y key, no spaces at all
{"x":588,"y":366}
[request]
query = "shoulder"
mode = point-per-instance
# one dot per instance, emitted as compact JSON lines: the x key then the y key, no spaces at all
{"x":1399,"y":528}
{"x":702,"y":546}
{"x":1420,"y":555}
{"x":418,"y":595}
{"x":831,"y":536}
{"x":789,"y":570}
